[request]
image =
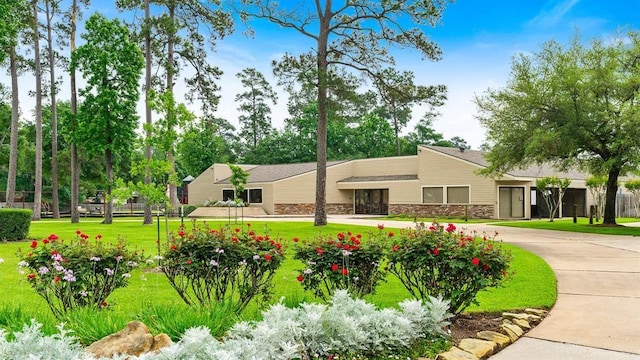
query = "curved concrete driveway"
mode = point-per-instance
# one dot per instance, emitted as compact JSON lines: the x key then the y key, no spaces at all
{"x":597,"y":314}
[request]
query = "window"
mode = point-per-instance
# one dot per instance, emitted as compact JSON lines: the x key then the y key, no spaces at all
{"x":457,"y":195}
{"x":255,"y":196}
{"x":243,"y":196}
{"x":432,"y":195}
{"x":227,"y":195}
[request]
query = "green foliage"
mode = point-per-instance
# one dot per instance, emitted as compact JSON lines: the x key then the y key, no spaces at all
{"x":188,"y":209}
{"x":552,"y":189}
{"x":255,"y":120}
{"x":597,"y":186}
{"x":90,"y":325}
{"x":344,"y":42}
{"x":633,"y":185}
{"x":345,"y":261}
{"x":438,"y":261}
{"x":571,"y":105}
{"x":12,"y":15}
{"x":399,"y":93}
{"x":111,"y":63}
{"x":14,"y":224}
{"x":175,"y":319}
{"x":77,"y":273}
{"x":238,"y":179}
{"x":208,"y":266}
{"x":202,"y":144}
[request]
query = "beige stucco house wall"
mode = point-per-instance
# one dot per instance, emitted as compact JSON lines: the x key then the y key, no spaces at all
{"x":393,"y":185}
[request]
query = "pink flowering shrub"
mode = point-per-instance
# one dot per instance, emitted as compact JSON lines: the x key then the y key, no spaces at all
{"x":77,"y":273}
{"x":440,"y":261}
{"x":209,"y":266}
{"x":344,"y":261}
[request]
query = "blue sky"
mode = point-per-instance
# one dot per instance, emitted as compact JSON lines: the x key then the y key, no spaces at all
{"x":478,"y":39}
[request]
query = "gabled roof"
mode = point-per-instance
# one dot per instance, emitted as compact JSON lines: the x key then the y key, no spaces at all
{"x":271,"y":173}
{"x":534,"y":171}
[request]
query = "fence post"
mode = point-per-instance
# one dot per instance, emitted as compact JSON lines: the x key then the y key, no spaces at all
{"x":591,"y":211}
{"x":575,"y":213}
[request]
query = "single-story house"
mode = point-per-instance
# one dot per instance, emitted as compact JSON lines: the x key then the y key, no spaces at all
{"x":438,"y":181}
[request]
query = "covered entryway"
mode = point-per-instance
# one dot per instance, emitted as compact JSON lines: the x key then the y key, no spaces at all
{"x":372,"y":201}
{"x":511,"y":202}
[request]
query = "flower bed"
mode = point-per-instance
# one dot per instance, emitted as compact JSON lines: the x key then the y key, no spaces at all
{"x":312,"y":331}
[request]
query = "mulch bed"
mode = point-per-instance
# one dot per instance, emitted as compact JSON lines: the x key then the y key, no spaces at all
{"x":468,"y":325}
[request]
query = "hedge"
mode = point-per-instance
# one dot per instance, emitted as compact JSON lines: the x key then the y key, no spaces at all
{"x":14,"y":224}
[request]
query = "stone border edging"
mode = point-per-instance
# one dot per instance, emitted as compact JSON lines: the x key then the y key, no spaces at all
{"x":488,"y":343}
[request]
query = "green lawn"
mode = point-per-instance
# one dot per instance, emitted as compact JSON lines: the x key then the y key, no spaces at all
{"x":532,"y":284}
{"x":581,"y":226}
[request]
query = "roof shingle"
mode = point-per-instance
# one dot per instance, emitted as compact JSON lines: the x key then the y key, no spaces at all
{"x":533,"y":171}
{"x":271,"y":173}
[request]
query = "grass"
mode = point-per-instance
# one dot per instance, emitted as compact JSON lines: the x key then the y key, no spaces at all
{"x":582,"y":226}
{"x":150,"y":298}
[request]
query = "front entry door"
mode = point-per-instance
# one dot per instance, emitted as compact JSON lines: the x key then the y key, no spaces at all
{"x":372,"y":201}
{"x":511,"y":202}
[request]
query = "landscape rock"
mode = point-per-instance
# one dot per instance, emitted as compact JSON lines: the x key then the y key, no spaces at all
{"x":524,"y":324}
{"x":482,"y":349}
{"x":160,"y":341}
{"x":521,"y":316}
{"x":456,"y":354}
{"x":135,"y":339}
{"x":512,"y":331}
{"x":500,"y":339}
{"x":537,"y":312}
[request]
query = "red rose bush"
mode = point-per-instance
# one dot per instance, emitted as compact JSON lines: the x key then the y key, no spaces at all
{"x":440,"y":261}
{"x":209,"y":266}
{"x":344,"y":261}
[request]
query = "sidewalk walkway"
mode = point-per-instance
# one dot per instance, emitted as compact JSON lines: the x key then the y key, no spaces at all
{"x":597,"y":314}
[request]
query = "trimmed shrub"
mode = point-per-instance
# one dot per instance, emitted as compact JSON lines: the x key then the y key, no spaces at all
{"x":74,"y":274}
{"x":208,"y":266}
{"x":344,"y":261}
{"x":188,"y":209}
{"x":438,"y":261}
{"x":14,"y":224}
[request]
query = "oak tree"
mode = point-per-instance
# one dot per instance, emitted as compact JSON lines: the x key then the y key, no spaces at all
{"x":574,"y":105}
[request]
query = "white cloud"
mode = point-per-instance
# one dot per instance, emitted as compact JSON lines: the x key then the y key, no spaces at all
{"x":552,"y":15}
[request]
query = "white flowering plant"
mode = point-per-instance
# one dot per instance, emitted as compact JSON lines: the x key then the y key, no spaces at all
{"x":78,"y":272}
{"x":210,"y":266}
{"x":344,"y":261}
{"x":345,"y":328}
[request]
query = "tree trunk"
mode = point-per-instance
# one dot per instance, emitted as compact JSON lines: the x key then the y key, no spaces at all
{"x":75,"y":162}
{"x":55,"y":202}
{"x":15,"y":117}
{"x":173,"y":190}
{"x":610,"y":201}
{"x":321,"y":152}
{"x":108,"y":212}
{"x":396,"y":132}
{"x":37,"y":197}
{"x":148,"y":215}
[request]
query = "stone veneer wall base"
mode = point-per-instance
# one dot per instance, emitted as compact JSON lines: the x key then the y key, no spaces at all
{"x":310,"y":208}
{"x":448,"y":210}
